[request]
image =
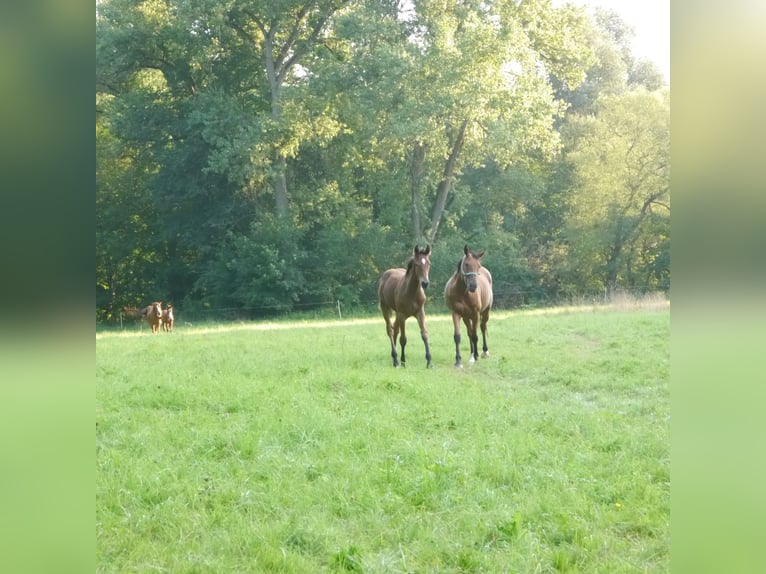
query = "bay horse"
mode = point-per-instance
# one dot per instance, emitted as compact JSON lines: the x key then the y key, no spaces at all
{"x":401,"y":291}
{"x":168,"y":319}
{"x":468,"y":294}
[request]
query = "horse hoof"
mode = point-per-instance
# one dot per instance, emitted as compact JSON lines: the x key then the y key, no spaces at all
{"x":485,"y":354}
{"x":458,"y":365}
{"x":472,"y":361}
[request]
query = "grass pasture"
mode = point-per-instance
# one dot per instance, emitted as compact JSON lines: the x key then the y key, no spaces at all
{"x":298,"y":448}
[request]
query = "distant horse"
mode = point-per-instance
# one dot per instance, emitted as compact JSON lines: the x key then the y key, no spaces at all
{"x":168,"y":319}
{"x":153,"y":314}
{"x":401,"y":291}
{"x":132,"y":313}
{"x":468,"y":294}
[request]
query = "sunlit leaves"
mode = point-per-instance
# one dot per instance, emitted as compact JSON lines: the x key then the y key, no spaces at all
{"x":379,"y":120}
{"x":622,"y":161}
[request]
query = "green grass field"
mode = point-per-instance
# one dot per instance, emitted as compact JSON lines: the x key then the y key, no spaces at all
{"x":299,"y":448}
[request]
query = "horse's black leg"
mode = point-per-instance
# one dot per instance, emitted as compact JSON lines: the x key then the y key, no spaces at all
{"x":485,"y":349}
{"x":474,"y":340}
{"x":456,"y":336}
{"x":403,"y":343}
{"x":394,"y":356}
{"x":398,"y":334}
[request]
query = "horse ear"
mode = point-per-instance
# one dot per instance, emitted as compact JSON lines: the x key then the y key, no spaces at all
{"x":415,"y":250}
{"x":427,"y":250}
{"x":465,"y":249}
{"x":479,"y":255}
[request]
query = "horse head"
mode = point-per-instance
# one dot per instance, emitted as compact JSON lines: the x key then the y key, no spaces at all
{"x":469,"y":267}
{"x":421,"y":264}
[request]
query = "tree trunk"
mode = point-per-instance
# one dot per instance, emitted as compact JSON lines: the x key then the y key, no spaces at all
{"x":612,"y":268}
{"x":279,"y":164}
{"x":445,"y":185}
{"x":626,"y":234}
{"x":280,"y":186}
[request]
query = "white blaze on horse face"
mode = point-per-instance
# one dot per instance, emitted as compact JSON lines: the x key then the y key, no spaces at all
{"x":423,"y":261}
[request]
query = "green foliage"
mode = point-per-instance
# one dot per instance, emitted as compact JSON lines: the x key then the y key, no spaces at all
{"x":274,"y":157}
{"x":259,"y":270}
{"x":327,"y":253}
{"x":127,"y":256}
{"x":296,"y":447}
{"x":620,"y":210}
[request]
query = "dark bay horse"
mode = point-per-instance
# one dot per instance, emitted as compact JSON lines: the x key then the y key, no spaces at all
{"x":468,"y":294}
{"x":401,"y":291}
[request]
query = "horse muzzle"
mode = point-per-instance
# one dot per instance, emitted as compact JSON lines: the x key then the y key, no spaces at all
{"x":425,"y":283}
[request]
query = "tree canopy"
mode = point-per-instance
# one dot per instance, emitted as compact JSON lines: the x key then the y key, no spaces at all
{"x":265,"y":157}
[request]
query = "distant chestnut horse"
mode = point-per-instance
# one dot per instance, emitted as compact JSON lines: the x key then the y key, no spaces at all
{"x":132,"y":313}
{"x":468,"y":294}
{"x":401,"y":291}
{"x":153,"y":314}
{"x":168,"y":319}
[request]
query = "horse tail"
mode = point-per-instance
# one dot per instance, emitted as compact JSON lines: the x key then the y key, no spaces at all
{"x":487,"y":296}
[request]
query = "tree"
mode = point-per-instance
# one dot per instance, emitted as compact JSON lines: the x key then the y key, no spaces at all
{"x":614,"y":69}
{"x":282,"y":33}
{"x":467,"y":84}
{"x":268,"y":156}
{"x":125,"y":249}
{"x":622,"y":191}
{"x":219,"y":63}
{"x":209,"y":97}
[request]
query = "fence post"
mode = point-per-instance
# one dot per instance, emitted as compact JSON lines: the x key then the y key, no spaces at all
{"x":339,"y":314}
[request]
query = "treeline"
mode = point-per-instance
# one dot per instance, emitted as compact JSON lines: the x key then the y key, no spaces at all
{"x":270,"y":156}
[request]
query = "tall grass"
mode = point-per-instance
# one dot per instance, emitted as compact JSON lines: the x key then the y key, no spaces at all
{"x":299,"y":448}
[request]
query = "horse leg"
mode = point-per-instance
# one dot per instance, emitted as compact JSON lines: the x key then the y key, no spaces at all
{"x":473,"y":338}
{"x":456,"y":325}
{"x":484,"y":319}
{"x":400,"y":320}
{"x":474,"y":346}
{"x":391,"y":332}
{"x":424,"y":335}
